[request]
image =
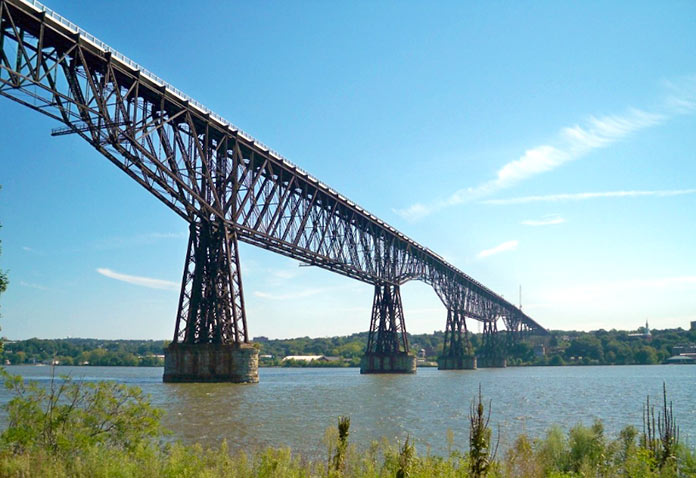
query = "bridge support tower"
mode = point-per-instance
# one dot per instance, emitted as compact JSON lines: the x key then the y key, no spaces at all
{"x":210,"y":341}
{"x":492,"y":354}
{"x":387,"y":344}
{"x":457,"y":353}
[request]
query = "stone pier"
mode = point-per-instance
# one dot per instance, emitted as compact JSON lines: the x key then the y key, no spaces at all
{"x":237,"y":363}
{"x":400,"y":362}
{"x":492,"y":362}
{"x":466,"y":362}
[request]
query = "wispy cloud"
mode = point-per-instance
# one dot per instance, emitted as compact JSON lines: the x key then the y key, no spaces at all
{"x":32,"y":285}
{"x":569,"y":144}
{"x":504,"y":247}
{"x":548,"y":220}
{"x":31,"y":250}
{"x":588,"y":195}
{"x":139,"y":280}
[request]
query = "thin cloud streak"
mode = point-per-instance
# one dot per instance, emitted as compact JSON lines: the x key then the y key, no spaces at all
{"x":550,"y":220}
{"x":139,"y":280}
{"x":588,"y":195}
{"x":32,"y":286}
{"x":571,"y":143}
{"x":504,"y":247}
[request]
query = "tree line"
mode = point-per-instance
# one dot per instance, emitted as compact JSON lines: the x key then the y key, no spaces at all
{"x":601,"y":347}
{"x":74,"y":351}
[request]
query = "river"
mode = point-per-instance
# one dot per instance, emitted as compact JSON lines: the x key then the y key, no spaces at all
{"x":293,"y":407}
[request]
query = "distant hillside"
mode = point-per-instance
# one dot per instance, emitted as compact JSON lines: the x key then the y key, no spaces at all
{"x":559,"y":348}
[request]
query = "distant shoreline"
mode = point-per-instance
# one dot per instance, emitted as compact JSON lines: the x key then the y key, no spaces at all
{"x":601,"y":347}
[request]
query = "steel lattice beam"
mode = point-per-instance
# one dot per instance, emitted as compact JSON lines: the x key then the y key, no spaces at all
{"x":211,"y":173}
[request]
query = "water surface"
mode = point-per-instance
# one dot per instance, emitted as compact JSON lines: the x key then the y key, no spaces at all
{"x":293,"y":407}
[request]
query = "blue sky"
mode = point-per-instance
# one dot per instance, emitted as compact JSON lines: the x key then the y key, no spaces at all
{"x":544,"y":144}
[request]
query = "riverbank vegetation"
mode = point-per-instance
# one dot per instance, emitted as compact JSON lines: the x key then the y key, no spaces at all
{"x":85,"y":352}
{"x":79,"y":429}
{"x":601,"y":347}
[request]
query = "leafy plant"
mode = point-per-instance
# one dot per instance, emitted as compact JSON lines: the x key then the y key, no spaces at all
{"x":68,"y":416}
{"x":406,"y":456}
{"x":339,"y":459}
{"x":480,"y":454}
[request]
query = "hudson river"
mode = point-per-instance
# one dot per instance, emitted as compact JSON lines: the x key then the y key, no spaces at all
{"x":293,"y":407}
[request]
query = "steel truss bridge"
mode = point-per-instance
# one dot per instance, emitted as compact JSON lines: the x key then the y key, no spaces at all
{"x":228,"y":186}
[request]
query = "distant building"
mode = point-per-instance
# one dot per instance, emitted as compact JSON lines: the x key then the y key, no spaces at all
{"x":312,"y":358}
{"x":682,"y":359}
{"x":539,"y":350}
{"x":302,"y":358}
{"x":683,"y":354}
{"x":642,"y":332}
{"x":693,"y":325}
{"x":684,"y":349}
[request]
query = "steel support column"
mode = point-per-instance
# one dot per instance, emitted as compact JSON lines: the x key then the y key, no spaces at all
{"x":210,"y":340}
{"x":211,"y":304}
{"x":457,"y":353}
{"x":492,"y":352}
{"x":387,"y":343}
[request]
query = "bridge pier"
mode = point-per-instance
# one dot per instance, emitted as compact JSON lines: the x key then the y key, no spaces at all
{"x":387,"y":344}
{"x":237,"y":363}
{"x":492,"y":350}
{"x":456,"y":350}
{"x":210,"y":340}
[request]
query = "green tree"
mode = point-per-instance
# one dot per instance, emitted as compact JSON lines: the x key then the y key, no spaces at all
{"x":586,"y":346}
{"x":646,"y":355}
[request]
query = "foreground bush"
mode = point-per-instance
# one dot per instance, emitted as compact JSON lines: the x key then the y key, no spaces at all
{"x":108,"y":430}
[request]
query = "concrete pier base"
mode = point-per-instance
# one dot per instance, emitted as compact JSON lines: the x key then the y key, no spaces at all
{"x":392,"y":363}
{"x":492,"y":362}
{"x":237,"y":363}
{"x":467,"y":362}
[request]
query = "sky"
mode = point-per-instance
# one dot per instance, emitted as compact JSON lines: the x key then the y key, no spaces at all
{"x":547,"y":146}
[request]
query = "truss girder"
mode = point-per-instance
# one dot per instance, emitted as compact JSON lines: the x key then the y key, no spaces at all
{"x":206,"y":170}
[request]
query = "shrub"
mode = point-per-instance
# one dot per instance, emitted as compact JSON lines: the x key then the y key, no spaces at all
{"x":70,"y":416}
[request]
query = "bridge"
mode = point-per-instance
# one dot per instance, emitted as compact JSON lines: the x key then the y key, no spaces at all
{"x":230,"y":187}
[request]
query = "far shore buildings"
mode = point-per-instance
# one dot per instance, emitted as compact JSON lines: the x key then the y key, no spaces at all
{"x":683,"y":354}
{"x":312,"y":358}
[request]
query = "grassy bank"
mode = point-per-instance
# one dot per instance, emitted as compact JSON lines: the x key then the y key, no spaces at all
{"x":71,"y":429}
